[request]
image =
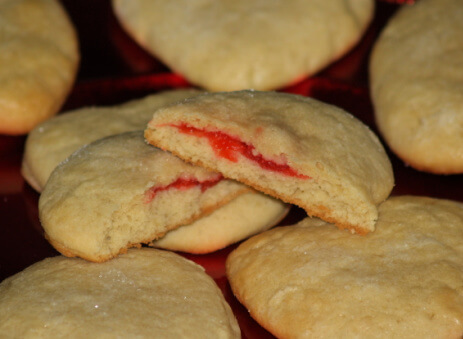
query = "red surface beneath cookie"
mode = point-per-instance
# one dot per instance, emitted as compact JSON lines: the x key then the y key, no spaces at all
{"x":182,"y":184}
{"x":228,"y":147}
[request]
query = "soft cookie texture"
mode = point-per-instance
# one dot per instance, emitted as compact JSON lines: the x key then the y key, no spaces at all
{"x":55,"y":139}
{"x":119,"y":192}
{"x":297,"y":149}
{"x":38,"y":62}
{"x":241,"y":44}
{"x":416,"y":79}
{"x":143,"y":293}
{"x":402,"y":281}
{"x":246,"y":215}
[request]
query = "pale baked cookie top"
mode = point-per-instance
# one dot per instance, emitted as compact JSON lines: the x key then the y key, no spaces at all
{"x":138,"y":295}
{"x":246,"y":215}
{"x":241,"y":44}
{"x":416,"y":81}
{"x":118,"y":192}
{"x":55,"y":139}
{"x":38,"y":62}
{"x":402,"y":281}
{"x":295,"y":148}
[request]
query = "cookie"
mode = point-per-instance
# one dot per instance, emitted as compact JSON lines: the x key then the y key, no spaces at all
{"x":259,"y":44}
{"x":55,"y":139}
{"x":416,"y":79}
{"x":294,"y":148}
{"x":119,"y":192}
{"x":143,"y":292}
{"x":38,"y":62}
{"x":246,"y":215}
{"x":402,"y":281}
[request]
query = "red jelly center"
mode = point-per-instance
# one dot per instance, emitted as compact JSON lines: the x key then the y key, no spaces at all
{"x":229,"y":147}
{"x":182,"y":184}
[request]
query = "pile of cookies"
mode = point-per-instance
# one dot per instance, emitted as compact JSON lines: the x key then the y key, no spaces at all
{"x":260,"y":149}
{"x":195,"y":171}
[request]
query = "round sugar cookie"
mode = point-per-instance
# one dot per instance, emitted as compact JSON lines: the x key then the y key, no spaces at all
{"x":294,"y":148}
{"x":416,"y":73}
{"x":241,"y":44}
{"x":38,"y":62}
{"x":246,"y":215}
{"x":136,"y":295}
{"x":402,"y":281}
{"x":119,"y":192}
{"x":55,"y":139}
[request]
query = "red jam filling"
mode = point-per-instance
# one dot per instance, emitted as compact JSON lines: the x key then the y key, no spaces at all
{"x":229,"y":147}
{"x":182,"y":184}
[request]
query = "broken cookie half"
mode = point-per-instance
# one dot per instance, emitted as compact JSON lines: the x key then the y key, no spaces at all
{"x":120,"y":192}
{"x":294,"y":148}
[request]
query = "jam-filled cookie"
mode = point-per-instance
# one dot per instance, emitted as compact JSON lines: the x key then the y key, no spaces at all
{"x":119,"y":192}
{"x":297,"y":149}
